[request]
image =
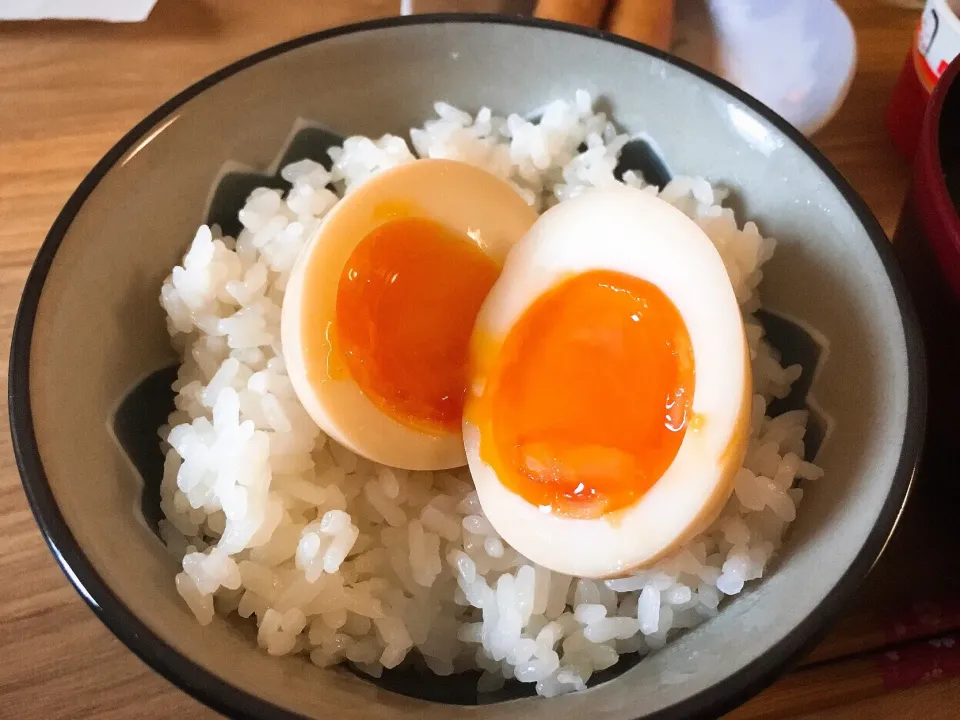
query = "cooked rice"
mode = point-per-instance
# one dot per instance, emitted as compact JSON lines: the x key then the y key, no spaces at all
{"x":341,"y":559}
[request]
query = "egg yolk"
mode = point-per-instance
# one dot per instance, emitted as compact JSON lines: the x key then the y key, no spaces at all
{"x":590,"y":397}
{"x":407,"y":301}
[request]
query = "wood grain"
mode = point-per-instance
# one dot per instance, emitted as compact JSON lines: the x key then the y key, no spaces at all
{"x":69,"y":90}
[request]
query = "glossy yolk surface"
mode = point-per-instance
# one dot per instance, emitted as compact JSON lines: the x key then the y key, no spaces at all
{"x":591,"y":395}
{"x":407,"y":301}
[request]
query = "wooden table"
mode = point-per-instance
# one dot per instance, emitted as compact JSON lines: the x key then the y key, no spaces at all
{"x":67,"y":93}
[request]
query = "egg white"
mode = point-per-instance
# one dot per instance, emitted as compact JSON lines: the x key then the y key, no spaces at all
{"x":465,"y":198}
{"x":626,"y":230}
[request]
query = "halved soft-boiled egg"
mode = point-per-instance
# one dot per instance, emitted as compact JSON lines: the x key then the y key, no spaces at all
{"x":609,"y":404}
{"x":378,"y":311}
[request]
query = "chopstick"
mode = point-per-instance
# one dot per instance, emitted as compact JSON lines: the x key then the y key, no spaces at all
{"x":646,"y":21}
{"x":579,"y":12}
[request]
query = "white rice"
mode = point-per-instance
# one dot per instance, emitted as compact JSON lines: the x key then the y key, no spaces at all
{"x":340,"y":559}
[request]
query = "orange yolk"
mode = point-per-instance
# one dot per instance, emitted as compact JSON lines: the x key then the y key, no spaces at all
{"x":407,"y":301}
{"x":589,"y":400}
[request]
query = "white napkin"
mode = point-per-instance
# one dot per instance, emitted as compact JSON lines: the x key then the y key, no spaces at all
{"x":109,"y":10}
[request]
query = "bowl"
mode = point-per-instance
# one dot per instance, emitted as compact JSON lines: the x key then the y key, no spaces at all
{"x":797,"y":56}
{"x":90,"y":358}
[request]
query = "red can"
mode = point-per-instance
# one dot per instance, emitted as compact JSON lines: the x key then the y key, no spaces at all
{"x":935,"y":44}
{"x":927,"y":245}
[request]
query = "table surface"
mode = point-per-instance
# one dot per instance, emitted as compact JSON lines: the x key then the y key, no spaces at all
{"x":68,"y":91}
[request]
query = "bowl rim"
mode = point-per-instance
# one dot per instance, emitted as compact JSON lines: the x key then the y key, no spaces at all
{"x":233,"y":701}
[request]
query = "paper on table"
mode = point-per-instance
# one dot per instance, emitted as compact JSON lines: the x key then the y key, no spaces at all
{"x":109,"y":10}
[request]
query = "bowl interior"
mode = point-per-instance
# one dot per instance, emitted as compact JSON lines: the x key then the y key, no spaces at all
{"x":98,"y":331}
{"x":150,"y":402}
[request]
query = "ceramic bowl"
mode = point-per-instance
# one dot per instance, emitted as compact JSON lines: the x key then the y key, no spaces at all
{"x":797,"y":56}
{"x":90,"y":348}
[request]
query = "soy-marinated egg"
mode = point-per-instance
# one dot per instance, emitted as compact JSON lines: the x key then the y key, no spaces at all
{"x":610,"y":386}
{"x":379,"y":309}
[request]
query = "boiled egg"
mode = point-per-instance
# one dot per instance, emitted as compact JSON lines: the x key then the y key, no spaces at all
{"x":610,"y":386}
{"x":377,"y":315}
